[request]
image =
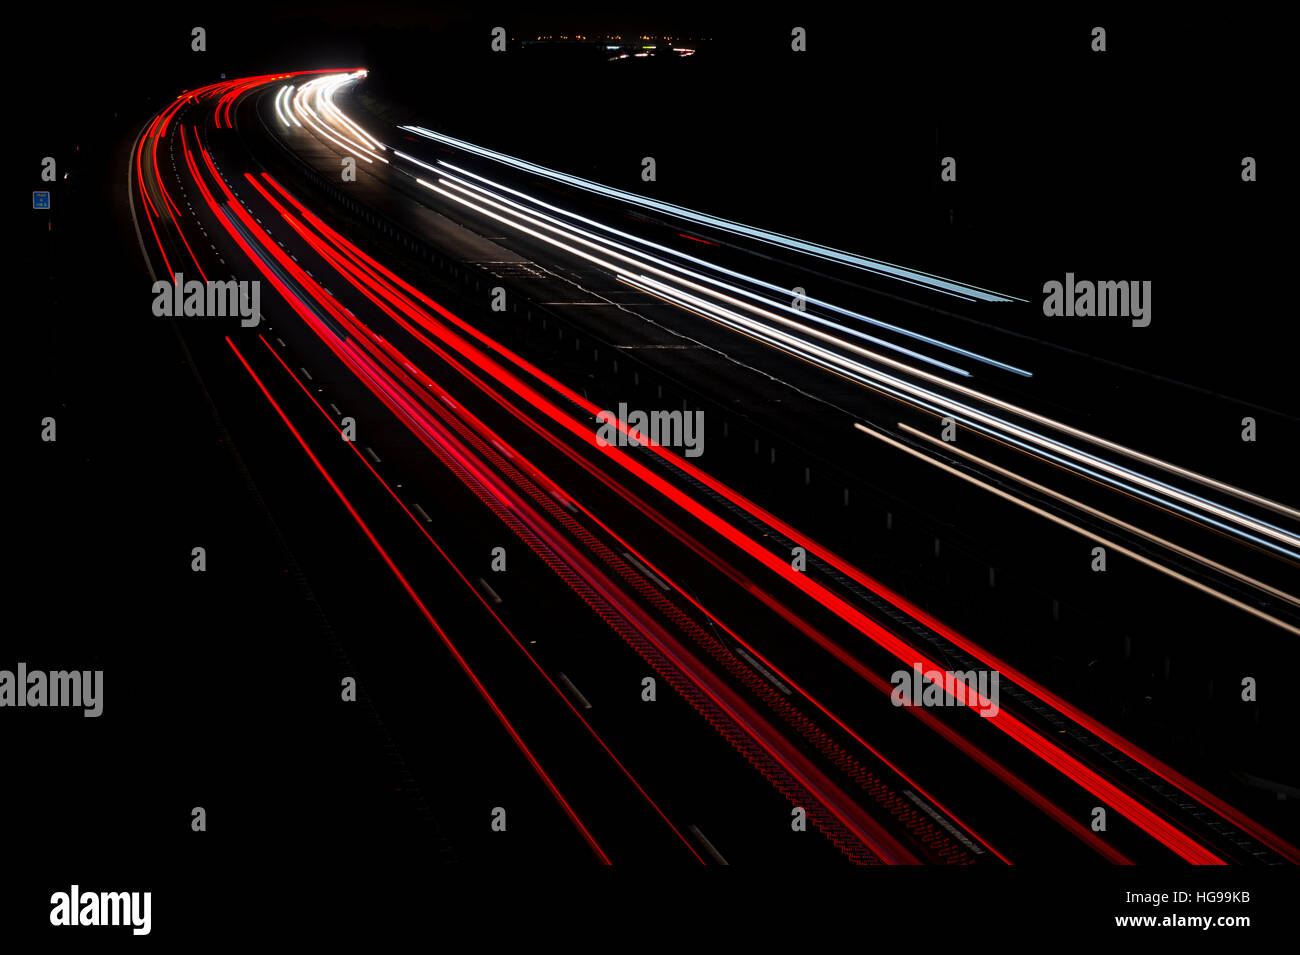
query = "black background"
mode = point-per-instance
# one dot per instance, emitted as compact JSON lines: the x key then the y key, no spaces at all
{"x":1124,"y":164}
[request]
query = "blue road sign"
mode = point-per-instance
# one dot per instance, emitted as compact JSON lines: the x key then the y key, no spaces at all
{"x":40,"y":200}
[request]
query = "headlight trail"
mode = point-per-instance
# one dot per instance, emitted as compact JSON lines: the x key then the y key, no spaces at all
{"x":1190,"y":504}
{"x":910,"y":276}
{"x":543,"y":514}
{"x":786,"y":294}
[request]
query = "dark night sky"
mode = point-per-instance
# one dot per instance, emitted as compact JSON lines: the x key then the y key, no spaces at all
{"x":1121,"y":166}
{"x":1124,"y":163}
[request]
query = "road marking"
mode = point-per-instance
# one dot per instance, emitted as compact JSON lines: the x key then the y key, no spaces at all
{"x":489,"y":591}
{"x":764,"y":671}
{"x":708,"y":846}
{"x":646,"y":571}
{"x":574,"y":691}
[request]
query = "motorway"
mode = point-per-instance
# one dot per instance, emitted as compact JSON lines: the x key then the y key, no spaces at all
{"x":828,"y":536}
